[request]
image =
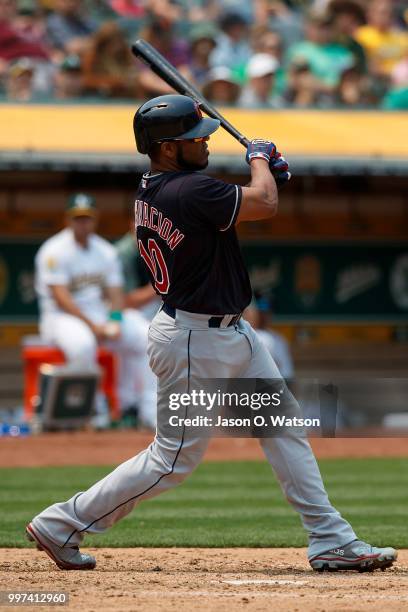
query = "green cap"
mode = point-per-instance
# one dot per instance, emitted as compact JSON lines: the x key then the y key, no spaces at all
{"x":81,"y":205}
{"x":203,"y":30}
{"x":26,"y":7}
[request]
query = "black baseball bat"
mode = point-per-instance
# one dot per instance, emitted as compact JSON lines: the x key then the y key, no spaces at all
{"x":165,"y":70}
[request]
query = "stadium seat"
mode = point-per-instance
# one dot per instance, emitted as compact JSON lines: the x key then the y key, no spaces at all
{"x":35,"y":353}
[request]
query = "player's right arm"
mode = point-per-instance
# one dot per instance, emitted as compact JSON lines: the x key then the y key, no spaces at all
{"x":260,"y":197}
{"x":64,"y":300}
{"x":206,"y":200}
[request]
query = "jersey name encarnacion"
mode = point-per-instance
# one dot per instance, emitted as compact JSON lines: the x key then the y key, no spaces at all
{"x":149,"y":216}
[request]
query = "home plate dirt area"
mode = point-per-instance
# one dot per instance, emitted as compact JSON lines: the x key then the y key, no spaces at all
{"x":205,"y":579}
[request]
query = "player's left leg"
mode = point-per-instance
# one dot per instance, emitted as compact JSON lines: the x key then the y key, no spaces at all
{"x":161,"y":466}
{"x":295,"y":466}
{"x":137,"y":383}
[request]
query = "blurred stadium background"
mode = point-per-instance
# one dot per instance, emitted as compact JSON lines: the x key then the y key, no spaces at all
{"x":332,"y":268}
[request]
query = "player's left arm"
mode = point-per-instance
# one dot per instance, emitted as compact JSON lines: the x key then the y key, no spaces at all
{"x":260,"y":199}
{"x":115,"y":297}
{"x":140,"y":296}
{"x":114,"y":293}
{"x":142,"y":292}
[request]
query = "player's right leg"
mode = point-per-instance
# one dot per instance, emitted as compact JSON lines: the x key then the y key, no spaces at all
{"x":72,"y":336}
{"x":333,"y":543}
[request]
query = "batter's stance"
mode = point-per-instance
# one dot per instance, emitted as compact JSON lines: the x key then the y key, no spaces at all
{"x":186,"y":234}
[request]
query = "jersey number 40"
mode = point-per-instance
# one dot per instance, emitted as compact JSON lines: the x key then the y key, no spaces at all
{"x":155,"y":262}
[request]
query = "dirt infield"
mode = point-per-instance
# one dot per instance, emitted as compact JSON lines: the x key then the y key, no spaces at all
{"x":112,"y":447}
{"x":221,"y":580}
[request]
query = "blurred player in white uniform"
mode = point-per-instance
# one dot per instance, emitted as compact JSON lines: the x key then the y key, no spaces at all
{"x":79,"y":283}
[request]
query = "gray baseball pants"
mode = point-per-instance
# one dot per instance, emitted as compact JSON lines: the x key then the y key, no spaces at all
{"x":186,"y":348}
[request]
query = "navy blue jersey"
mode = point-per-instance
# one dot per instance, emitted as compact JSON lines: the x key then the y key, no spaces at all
{"x":187,"y":239}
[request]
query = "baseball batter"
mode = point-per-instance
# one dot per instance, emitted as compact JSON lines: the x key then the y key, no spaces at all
{"x":79,"y":284}
{"x":186,"y":234}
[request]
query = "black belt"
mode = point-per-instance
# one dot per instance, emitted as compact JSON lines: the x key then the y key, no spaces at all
{"x":212,"y":321}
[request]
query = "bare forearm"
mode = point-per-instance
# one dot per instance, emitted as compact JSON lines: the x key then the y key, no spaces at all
{"x":116,"y":298}
{"x":140,"y":297}
{"x":64,"y":300}
{"x":261,"y":178}
{"x":260,"y":199}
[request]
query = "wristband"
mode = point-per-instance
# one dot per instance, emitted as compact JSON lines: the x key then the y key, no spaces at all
{"x":115,"y":315}
{"x":260,"y":149}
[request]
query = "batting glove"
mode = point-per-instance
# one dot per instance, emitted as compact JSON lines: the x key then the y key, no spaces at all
{"x":259,"y":148}
{"x":279,"y":168}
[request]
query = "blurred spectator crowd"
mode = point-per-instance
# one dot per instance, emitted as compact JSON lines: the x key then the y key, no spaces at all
{"x":254,"y":54}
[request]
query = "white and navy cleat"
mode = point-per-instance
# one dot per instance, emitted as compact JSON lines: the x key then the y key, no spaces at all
{"x":356,"y":555}
{"x":67,"y":558}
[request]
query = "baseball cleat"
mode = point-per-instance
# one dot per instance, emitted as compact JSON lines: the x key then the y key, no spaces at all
{"x":68,"y":558}
{"x":356,"y":555}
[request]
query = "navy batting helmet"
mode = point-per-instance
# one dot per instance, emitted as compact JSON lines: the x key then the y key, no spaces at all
{"x":170,"y":117}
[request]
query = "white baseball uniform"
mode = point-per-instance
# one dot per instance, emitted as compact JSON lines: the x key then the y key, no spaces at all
{"x":86,"y":272}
